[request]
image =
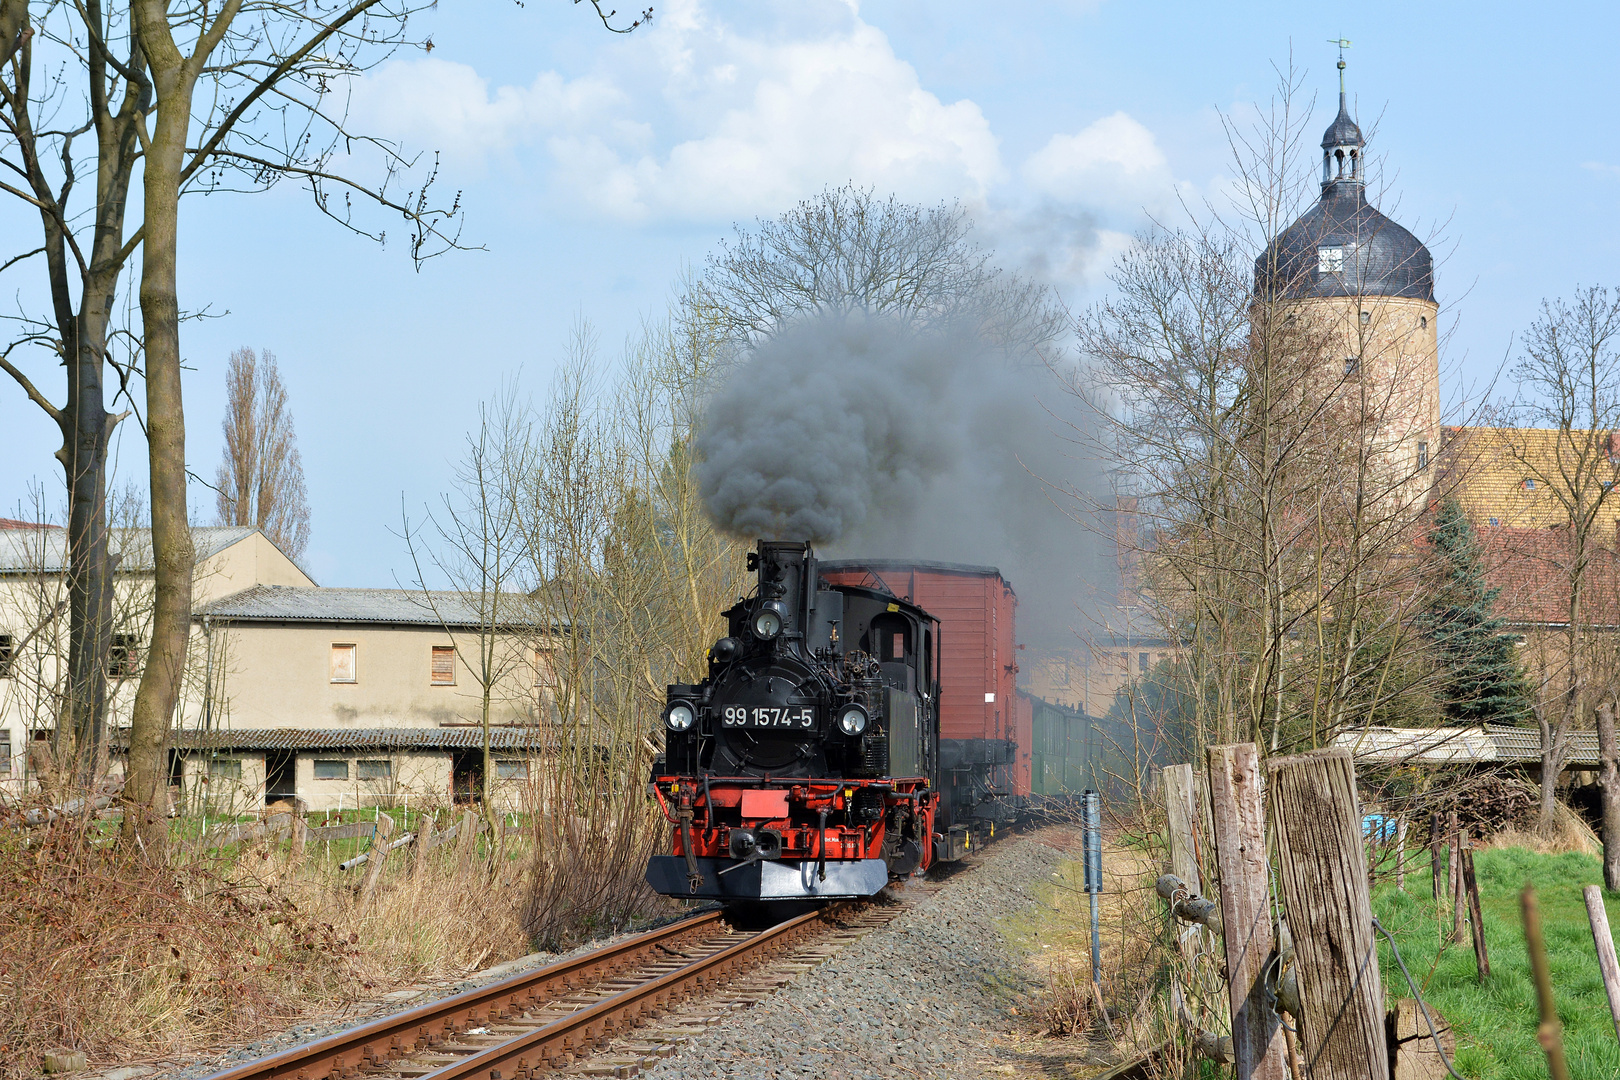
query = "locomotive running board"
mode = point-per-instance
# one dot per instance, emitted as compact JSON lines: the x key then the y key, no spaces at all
{"x":768,"y":879}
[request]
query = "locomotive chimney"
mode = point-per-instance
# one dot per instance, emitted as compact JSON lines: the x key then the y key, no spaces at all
{"x":787,"y":574}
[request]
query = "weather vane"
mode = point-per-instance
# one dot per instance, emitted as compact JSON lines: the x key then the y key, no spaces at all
{"x":1343,"y":44}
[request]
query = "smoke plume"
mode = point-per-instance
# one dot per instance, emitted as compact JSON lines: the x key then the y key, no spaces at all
{"x":874,"y":439}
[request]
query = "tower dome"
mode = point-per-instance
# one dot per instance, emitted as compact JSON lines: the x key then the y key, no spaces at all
{"x":1343,"y":246}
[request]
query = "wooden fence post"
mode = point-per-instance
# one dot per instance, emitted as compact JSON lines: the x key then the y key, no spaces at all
{"x":1453,"y":883}
{"x":1322,"y":868}
{"x":1400,"y":853}
{"x":1434,"y":853}
{"x":424,"y":837}
{"x":1551,"y":1032}
{"x":1459,"y":840}
{"x":300,"y":834}
{"x":1180,"y":813}
{"x":377,"y":854}
{"x":1476,"y":920}
{"x":1604,"y":940}
{"x":1204,"y":835}
{"x":1238,"y":810}
{"x":467,"y":840}
{"x":1609,"y":788}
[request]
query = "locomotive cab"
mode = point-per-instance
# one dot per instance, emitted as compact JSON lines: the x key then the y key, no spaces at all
{"x":802,"y":766}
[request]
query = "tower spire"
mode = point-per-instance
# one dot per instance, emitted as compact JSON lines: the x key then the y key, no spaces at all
{"x":1342,"y":145}
{"x":1343,"y":44}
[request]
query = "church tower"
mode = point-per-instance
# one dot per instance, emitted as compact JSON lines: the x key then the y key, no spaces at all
{"x":1365,"y":287}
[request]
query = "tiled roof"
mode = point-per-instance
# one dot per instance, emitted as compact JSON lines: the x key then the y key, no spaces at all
{"x":335,"y":739}
{"x":1530,"y":567}
{"x":43,"y":548}
{"x":1489,"y":466}
{"x":1524,"y":744}
{"x":288,"y":603}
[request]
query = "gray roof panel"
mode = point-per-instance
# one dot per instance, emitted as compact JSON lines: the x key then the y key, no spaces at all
{"x":407,"y":607}
{"x":362,"y":739}
{"x":42,"y":549}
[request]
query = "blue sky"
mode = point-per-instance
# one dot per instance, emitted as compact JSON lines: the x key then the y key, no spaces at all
{"x":595,"y":166}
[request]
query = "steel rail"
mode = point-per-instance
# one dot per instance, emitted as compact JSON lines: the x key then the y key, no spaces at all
{"x":373,"y":1041}
{"x":526,"y":1056}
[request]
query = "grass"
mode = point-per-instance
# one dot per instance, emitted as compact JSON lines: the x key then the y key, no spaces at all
{"x":1496,"y":1022}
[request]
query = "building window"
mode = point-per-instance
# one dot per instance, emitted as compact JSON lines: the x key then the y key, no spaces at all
{"x":343,"y":669}
{"x":375,"y":770}
{"x":1366,"y":318}
{"x":5,"y":751}
{"x":1495,"y":521}
{"x":511,"y":769}
{"x":1529,"y":484}
{"x":444,"y":665}
{"x":545,"y":666}
{"x":1352,"y":366}
{"x":1330,"y":260}
{"x":8,"y":652}
{"x":1423,"y":457}
{"x":124,"y":657}
{"x":225,"y":768}
{"x":1423,"y":322}
{"x":331,"y":769}
{"x":1142,"y":663}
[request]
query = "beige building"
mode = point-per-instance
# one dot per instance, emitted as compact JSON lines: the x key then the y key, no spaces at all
{"x":341,"y":697}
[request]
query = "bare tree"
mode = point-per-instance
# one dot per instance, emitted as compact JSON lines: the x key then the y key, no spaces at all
{"x":261,"y":476}
{"x":1267,"y":508}
{"x":848,"y":249}
{"x":1569,"y":453}
{"x":269,"y":67}
{"x":477,"y":543}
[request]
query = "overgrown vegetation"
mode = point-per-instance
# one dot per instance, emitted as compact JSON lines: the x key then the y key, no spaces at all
{"x":130,"y":961}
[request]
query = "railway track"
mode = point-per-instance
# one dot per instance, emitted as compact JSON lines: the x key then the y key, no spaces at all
{"x":633,"y":1001}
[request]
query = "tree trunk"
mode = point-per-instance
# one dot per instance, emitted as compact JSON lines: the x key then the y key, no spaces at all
{"x":1552,"y":763}
{"x":1609,"y":756}
{"x":172,"y":554}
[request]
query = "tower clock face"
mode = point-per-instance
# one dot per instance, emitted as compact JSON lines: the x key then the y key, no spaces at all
{"x":1330,"y":260}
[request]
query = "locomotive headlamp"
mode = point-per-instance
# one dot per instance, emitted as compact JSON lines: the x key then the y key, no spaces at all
{"x":679,"y":716}
{"x":852,"y":721}
{"x":768,"y":620}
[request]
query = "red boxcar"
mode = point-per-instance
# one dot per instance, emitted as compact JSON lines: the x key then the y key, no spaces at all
{"x":980,"y":710}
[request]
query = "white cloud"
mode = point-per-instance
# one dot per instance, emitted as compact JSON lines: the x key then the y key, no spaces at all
{"x":751,"y":122}
{"x":1114,"y":163}
{"x":446,"y":106}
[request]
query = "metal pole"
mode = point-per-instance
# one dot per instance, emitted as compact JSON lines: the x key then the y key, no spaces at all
{"x":1092,"y":809}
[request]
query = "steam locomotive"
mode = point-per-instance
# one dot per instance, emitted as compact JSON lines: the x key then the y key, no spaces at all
{"x":809,"y":764}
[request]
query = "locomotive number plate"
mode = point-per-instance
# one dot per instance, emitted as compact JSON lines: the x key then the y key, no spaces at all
{"x":796,"y":716}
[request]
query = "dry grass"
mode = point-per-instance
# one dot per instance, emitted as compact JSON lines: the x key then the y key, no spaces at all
{"x":104,"y":953}
{"x":1569,"y":834}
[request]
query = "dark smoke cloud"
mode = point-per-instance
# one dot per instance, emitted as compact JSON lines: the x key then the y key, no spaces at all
{"x":873,"y":439}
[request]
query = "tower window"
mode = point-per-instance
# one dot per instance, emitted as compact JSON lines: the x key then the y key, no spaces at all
{"x":1366,"y":317}
{"x":1352,"y":366}
{"x":1423,"y":457}
{"x":1330,"y":260}
{"x":1423,"y":322}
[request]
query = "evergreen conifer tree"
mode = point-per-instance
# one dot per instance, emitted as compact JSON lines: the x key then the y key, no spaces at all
{"x":1481,"y":678}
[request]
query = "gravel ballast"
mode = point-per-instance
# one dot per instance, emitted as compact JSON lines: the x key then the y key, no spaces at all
{"x":926,"y":995}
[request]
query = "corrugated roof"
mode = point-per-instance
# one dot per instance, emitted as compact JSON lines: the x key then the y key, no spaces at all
{"x":335,"y":739}
{"x":1455,"y":745}
{"x":411,"y":607}
{"x":1524,"y":744}
{"x":43,"y":549}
